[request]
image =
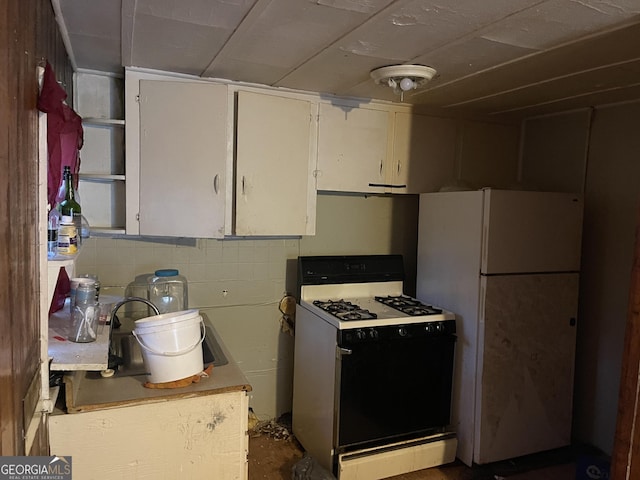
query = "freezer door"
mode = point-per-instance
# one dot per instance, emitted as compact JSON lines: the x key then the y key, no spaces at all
{"x":528,"y":232}
{"x":525,"y":364}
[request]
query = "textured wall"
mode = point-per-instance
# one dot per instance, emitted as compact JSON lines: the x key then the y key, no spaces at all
{"x":598,"y":150}
{"x":611,"y":209}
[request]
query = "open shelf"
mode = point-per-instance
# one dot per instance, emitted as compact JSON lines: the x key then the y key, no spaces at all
{"x":107,"y":122}
{"x":107,"y":231}
{"x":101,"y":177}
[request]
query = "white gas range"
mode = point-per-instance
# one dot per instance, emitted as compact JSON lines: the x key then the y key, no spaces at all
{"x":359,"y":305}
{"x":372,"y":370}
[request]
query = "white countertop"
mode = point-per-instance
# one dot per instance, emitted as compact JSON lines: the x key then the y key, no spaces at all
{"x":87,"y":391}
{"x":67,"y":355}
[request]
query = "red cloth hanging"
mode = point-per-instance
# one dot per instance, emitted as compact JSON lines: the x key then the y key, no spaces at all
{"x":61,"y":291}
{"x":64,"y":134}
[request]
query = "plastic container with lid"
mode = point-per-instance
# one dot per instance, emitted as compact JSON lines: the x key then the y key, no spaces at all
{"x":67,"y":236}
{"x":168,"y":290}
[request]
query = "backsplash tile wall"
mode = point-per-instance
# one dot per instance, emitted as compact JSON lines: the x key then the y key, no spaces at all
{"x":256,"y":273}
{"x":250,"y":271}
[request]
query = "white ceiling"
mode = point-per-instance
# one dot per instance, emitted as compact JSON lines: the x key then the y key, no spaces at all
{"x":496,"y":57}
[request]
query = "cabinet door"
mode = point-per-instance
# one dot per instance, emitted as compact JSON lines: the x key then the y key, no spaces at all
{"x":424,"y":150}
{"x":183,"y":151}
{"x":201,"y":437}
{"x":352,"y":149}
{"x":275,"y":163}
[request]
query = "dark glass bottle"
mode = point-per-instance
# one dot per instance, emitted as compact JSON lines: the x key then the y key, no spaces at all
{"x":70,"y":206}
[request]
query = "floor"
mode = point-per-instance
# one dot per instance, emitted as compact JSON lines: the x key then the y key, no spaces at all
{"x":274,"y":452}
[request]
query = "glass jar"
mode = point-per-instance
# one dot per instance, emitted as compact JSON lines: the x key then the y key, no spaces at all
{"x":167,"y":290}
{"x":84,"y":314}
{"x":138,"y":288}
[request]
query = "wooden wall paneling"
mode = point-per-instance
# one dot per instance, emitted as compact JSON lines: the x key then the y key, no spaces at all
{"x":28,"y":34}
{"x":7,"y":409}
{"x":40,"y":444}
{"x":19,"y":216}
{"x":625,"y":461}
{"x":50,"y":47}
{"x":27,"y":248}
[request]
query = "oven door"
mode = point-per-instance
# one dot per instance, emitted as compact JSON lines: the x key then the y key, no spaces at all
{"x":393,"y":385}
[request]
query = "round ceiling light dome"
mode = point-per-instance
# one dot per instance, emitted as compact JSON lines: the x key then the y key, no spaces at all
{"x":402,"y":78}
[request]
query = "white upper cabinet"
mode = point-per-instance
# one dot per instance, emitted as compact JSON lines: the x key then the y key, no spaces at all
{"x":209,"y":160}
{"x":183,"y":158}
{"x":424,"y":153}
{"x":276,"y":144}
{"x":187,"y":140}
{"x":352,"y":148}
{"x":382,"y":150}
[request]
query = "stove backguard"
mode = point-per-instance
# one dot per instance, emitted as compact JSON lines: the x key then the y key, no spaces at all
{"x":328,"y":270}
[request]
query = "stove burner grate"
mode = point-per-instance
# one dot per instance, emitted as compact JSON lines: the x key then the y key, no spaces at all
{"x":344,"y":310}
{"x":408,"y":305}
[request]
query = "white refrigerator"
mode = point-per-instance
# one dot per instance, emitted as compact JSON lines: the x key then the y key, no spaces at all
{"x":507,"y":263}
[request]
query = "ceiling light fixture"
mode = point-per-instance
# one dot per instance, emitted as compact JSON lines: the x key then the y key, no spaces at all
{"x":402,"y":78}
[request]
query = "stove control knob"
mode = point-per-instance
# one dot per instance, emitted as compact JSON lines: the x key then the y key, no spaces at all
{"x":440,"y":327}
{"x":360,"y":334}
{"x":429,"y":328}
{"x":373,"y":333}
{"x":402,"y":331}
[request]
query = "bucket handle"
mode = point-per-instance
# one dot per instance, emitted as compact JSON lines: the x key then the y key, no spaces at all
{"x":173,"y":354}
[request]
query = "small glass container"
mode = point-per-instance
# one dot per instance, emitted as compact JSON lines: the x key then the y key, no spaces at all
{"x":74,"y":282}
{"x":167,"y":290}
{"x":96,"y":281}
{"x":85,"y":313}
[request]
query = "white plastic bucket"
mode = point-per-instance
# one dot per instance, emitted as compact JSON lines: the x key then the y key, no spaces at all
{"x":171,"y":345}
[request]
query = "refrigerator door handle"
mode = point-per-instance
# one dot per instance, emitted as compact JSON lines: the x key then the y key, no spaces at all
{"x":485,"y":249}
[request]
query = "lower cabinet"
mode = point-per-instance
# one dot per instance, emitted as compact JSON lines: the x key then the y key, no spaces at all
{"x":201,"y":437}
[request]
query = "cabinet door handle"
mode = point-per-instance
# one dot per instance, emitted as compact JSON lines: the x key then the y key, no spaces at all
{"x":216,"y":183}
{"x":243,"y":185}
{"x":399,"y":168}
{"x":380,"y":167}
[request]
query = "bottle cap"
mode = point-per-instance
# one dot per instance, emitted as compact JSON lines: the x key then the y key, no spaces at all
{"x":167,"y":272}
{"x":66,"y":219}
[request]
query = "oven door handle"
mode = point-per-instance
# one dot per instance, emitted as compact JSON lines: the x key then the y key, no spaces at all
{"x":340,"y":351}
